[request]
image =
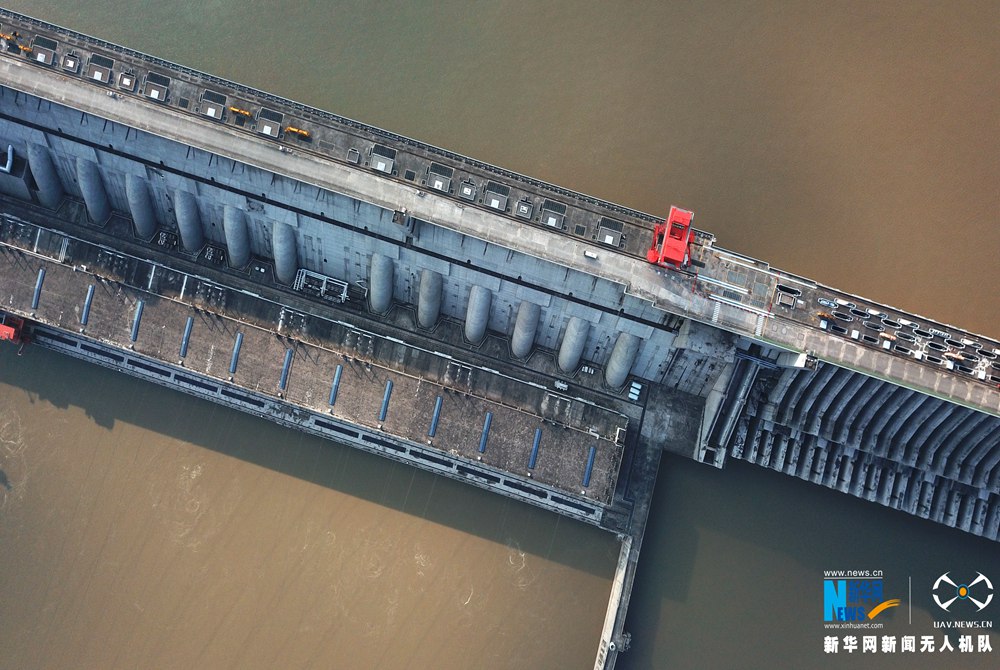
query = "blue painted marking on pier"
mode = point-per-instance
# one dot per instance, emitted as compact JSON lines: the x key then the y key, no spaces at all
{"x":486,"y":432}
{"x":534,"y":449}
{"x":336,"y":385}
{"x":135,"y":322}
{"x":385,"y":401}
{"x":38,"y":289}
{"x":590,"y":466}
{"x":283,"y":384}
{"x":236,"y":353}
{"x":187,"y":336}
{"x":85,"y":314}
{"x":437,"y":416}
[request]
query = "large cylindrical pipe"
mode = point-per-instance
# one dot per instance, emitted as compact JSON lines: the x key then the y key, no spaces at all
{"x":477,"y":315}
{"x":50,"y":189}
{"x":92,"y":188}
{"x":571,"y":349}
{"x":621,"y":360}
{"x":284,"y":244}
{"x":523,"y":337}
{"x":234,"y":224}
{"x":429,"y":298}
{"x":140,"y":204}
{"x":188,"y":221}
{"x":380,"y":283}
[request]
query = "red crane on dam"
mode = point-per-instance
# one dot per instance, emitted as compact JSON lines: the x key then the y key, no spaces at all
{"x":671,"y":247}
{"x":12,"y":329}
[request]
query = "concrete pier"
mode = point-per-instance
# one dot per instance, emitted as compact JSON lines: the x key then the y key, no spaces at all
{"x":89,"y":177}
{"x":140,"y":206}
{"x":189,"y":221}
{"x":50,"y":188}
{"x":237,"y":237}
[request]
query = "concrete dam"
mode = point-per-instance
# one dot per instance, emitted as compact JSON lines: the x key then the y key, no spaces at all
{"x":387,"y":294}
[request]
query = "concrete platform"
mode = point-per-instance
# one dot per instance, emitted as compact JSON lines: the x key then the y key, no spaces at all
{"x":568,"y":427}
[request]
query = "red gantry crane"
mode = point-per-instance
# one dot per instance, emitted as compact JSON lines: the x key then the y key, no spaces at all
{"x":12,"y":329}
{"x":672,"y":240}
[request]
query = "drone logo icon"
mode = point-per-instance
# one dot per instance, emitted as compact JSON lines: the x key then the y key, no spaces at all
{"x":963,"y":592}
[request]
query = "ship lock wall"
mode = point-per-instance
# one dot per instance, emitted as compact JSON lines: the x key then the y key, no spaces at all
{"x":336,"y":235}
